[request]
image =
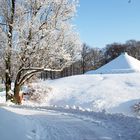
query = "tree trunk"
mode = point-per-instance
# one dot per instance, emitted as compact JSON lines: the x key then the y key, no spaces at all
{"x":17,"y":95}
{"x":83,"y":67}
{"x":8,"y":79}
{"x":8,"y":88}
{"x":8,"y":57}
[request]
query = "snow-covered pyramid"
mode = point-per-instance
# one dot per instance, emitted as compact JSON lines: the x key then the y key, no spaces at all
{"x":122,"y":64}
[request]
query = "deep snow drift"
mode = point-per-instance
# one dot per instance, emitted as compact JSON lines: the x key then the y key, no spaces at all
{"x":122,"y":64}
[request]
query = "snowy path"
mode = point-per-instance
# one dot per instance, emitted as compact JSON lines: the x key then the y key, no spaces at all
{"x":46,"y":124}
{"x":57,"y":126}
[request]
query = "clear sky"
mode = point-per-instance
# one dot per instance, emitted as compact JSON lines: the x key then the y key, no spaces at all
{"x":101,"y":22}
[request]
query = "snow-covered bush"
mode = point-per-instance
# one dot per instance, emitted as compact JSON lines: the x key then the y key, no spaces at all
{"x":136,"y":107}
{"x":36,"y":93}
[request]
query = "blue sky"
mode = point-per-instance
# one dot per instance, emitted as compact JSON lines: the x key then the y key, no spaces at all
{"x":101,"y":22}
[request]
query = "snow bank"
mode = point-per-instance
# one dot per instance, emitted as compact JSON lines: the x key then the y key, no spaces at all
{"x":114,"y":92}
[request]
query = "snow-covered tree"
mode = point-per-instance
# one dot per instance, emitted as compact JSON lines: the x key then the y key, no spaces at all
{"x":36,"y":35}
{"x":7,"y":12}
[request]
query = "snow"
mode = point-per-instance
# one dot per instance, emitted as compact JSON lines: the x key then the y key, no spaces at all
{"x":122,"y":64}
{"x":2,"y":97}
{"x":115,"y":93}
{"x":82,"y":107}
{"x":49,"y":124}
{"x":12,"y":126}
{"x":76,"y":108}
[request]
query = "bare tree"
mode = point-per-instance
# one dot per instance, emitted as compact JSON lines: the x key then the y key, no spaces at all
{"x":84,"y":54}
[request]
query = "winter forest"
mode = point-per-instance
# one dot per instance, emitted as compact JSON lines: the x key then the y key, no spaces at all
{"x":55,"y":85}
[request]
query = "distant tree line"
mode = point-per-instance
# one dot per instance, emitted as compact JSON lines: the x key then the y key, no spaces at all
{"x":93,"y":58}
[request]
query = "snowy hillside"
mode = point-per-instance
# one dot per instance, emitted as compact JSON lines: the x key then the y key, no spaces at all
{"x":115,"y":93}
{"x":122,"y":64}
{"x":110,"y":92}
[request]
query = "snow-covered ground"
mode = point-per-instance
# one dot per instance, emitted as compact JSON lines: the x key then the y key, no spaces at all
{"x":76,"y":108}
{"x":65,"y":124}
{"x":115,"y":93}
{"x":83,"y":107}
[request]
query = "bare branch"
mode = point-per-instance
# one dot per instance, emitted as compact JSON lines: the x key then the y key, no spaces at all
{"x":32,"y":71}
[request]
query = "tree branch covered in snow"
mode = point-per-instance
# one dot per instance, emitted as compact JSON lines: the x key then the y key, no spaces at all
{"x":43,"y":37}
